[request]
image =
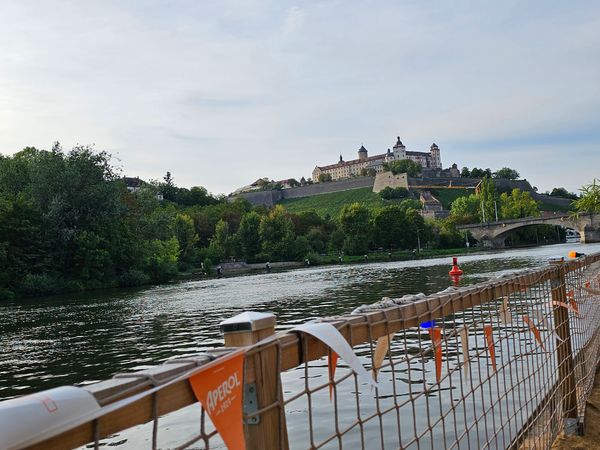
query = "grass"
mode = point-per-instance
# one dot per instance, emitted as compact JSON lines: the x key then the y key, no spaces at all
{"x":447,"y":196}
{"x":333,"y":202}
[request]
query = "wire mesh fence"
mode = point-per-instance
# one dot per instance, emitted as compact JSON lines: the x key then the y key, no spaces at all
{"x":507,"y":363}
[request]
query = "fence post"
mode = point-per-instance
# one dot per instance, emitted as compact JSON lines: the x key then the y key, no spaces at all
{"x":268,"y":430}
{"x":564,"y":351}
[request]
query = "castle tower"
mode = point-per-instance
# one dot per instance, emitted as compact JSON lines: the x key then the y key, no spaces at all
{"x":436,"y":159}
{"x":399,"y":150}
{"x":362,"y":153}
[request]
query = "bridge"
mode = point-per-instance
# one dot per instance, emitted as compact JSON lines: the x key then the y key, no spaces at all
{"x":494,"y":234}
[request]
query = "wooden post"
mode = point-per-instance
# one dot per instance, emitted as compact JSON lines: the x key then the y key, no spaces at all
{"x":267,"y":431}
{"x":564,"y":351}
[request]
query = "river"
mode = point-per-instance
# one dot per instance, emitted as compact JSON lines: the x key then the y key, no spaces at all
{"x":80,"y":339}
{"x":83,"y":338}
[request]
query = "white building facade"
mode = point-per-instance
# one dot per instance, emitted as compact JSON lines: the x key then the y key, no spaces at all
{"x":346,"y":169}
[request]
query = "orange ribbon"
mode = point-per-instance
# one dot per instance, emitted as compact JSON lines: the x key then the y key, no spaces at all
{"x":436,"y":337}
{"x":331,"y":366}
{"x":575,"y":309}
{"x":490,"y":343}
{"x":534,"y":330}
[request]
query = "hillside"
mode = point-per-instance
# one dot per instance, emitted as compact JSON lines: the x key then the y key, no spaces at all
{"x":333,"y":203}
{"x":447,"y":196}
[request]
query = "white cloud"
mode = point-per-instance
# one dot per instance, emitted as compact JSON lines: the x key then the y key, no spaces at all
{"x":273,"y":88}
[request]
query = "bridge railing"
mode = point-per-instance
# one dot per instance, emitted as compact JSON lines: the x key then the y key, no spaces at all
{"x":507,"y":363}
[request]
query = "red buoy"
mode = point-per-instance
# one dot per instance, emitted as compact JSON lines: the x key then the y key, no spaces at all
{"x":455,"y":271}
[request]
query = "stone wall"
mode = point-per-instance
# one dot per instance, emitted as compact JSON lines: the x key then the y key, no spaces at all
{"x":388,"y":179}
{"x":329,"y":187}
{"x":267,"y":198}
{"x":270,"y":198}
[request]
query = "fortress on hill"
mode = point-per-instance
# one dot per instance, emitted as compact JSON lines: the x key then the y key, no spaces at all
{"x":345,"y":169}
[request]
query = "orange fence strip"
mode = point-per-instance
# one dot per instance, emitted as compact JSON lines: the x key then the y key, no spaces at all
{"x":436,"y":338}
{"x":219,"y":387}
{"x":490,"y":343}
{"x":332,"y":360}
{"x":568,"y":306}
{"x":534,"y":330}
{"x":381,"y":350}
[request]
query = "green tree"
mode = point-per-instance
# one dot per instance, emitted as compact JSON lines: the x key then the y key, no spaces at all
{"x":355,"y":223}
{"x":220,"y":243}
{"x":411,"y":168}
{"x":465,"y":172}
{"x":325,"y":177}
{"x":488,"y":198}
{"x":466,"y":209}
{"x":390,"y":226}
{"x":185,"y":233}
{"x":480,"y":173}
{"x":589,"y":201}
{"x":389,"y":193}
{"x":248,"y":235}
{"x":563,"y":193}
{"x":276,"y":232}
{"x":518,"y":204}
{"x":507,"y":173}
{"x":161,"y":260}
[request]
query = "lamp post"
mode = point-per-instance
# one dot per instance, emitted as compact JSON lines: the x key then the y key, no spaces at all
{"x":418,"y":241}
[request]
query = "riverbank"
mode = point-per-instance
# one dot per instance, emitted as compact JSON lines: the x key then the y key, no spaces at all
{"x":241,"y":268}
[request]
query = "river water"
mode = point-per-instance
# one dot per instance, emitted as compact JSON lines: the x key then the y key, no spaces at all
{"x":79,"y":339}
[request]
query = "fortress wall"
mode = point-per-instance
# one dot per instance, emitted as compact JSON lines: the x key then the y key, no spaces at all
{"x":267,"y":198}
{"x":388,"y":179}
{"x":328,"y":187}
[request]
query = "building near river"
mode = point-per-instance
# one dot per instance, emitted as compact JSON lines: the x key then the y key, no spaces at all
{"x":345,"y":169}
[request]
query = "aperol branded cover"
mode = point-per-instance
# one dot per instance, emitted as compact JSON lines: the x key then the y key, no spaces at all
{"x":219,"y":388}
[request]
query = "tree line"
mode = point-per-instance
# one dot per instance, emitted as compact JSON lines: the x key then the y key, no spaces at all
{"x":68,"y":223}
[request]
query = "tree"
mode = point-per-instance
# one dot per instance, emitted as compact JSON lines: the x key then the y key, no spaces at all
{"x":507,"y":173}
{"x":276,"y":232}
{"x":389,"y":193}
{"x":518,"y":204}
{"x":169,"y":190}
{"x":325,"y":177}
{"x":465,"y":172}
{"x":220,"y":243}
{"x":480,"y":173}
{"x":355,"y":223}
{"x":488,"y":198}
{"x":248,"y":235}
{"x":186,"y":236}
{"x":589,"y":201}
{"x":390,"y":226}
{"x":407,"y":166}
{"x":563,"y":193}
{"x":466,"y":209}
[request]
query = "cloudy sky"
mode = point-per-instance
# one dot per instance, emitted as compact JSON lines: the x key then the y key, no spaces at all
{"x":223,"y":92}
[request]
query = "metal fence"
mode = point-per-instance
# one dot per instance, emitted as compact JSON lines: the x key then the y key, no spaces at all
{"x":507,"y":363}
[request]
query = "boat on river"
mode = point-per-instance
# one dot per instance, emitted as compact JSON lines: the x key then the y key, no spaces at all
{"x":572,"y":237}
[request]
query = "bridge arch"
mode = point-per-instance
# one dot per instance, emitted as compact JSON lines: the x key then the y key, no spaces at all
{"x":493,"y":234}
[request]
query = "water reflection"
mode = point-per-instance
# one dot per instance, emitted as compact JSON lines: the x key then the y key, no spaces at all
{"x":84,"y":338}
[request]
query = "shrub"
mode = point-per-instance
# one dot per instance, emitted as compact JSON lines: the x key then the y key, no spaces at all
{"x":133,"y":277}
{"x":35,"y":285}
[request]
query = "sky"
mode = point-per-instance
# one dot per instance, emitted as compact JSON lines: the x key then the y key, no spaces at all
{"x":223,"y":92}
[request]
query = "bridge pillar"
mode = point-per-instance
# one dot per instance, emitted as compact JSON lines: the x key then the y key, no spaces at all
{"x":590,"y":235}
